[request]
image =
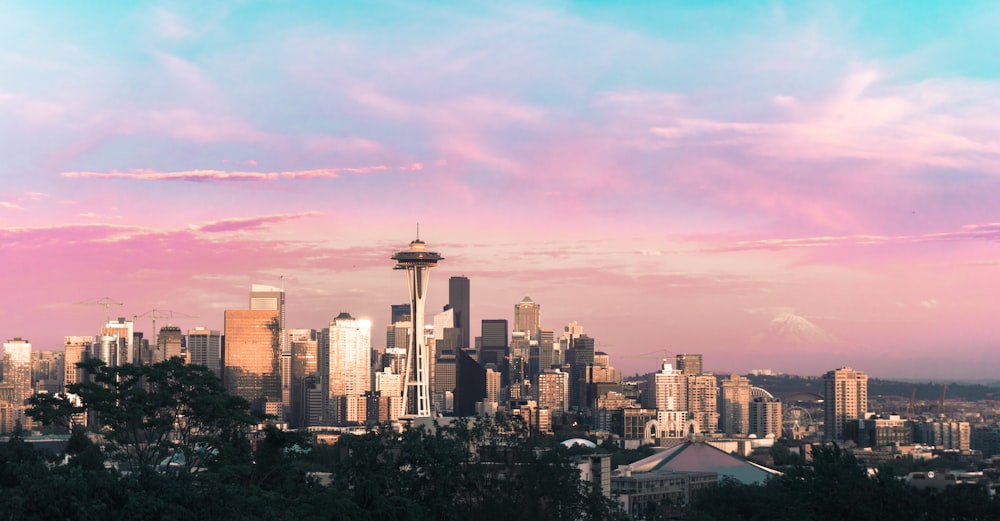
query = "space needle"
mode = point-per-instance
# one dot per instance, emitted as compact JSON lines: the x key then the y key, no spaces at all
{"x":417,"y":262}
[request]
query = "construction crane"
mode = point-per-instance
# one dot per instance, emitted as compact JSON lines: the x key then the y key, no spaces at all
{"x":161,"y":313}
{"x":107,"y":302}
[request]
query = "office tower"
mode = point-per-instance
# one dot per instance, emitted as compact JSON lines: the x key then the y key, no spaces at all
{"x":470,"y":384}
{"x":580,"y":355}
{"x":17,"y":376}
{"x":77,"y":349}
{"x":546,"y":354}
{"x":252,"y":355}
{"x":398,"y":313}
{"x":389,"y":389}
{"x":47,"y":371}
{"x":417,"y":262}
{"x":527,"y":317}
{"x":734,"y":406}
{"x":493,"y":381}
{"x":689,"y":364}
{"x":304,"y":364}
{"x":845,"y":399}
{"x":446,"y":335}
{"x":494,"y":341}
{"x":703,"y":399}
{"x":553,"y":390}
{"x":765,"y":417}
{"x":115,"y":345}
{"x":205,"y":348}
{"x":458,"y":300}
{"x":344,"y":352}
{"x":445,"y":380}
{"x":168,"y":344}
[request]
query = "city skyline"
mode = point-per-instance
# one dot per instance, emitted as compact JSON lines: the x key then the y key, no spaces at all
{"x":772,"y":186}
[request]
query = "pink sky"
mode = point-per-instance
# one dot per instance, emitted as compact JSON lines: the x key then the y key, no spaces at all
{"x":671,"y":189}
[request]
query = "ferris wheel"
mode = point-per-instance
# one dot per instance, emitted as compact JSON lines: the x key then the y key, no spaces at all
{"x":795,"y":422}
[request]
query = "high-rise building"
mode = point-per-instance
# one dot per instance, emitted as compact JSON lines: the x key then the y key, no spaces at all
{"x":47,"y":371}
{"x":458,"y":300}
{"x":492,"y":385}
{"x":494,"y":341}
{"x":204,"y":347}
{"x":470,"y":384}
{"x":734,"y":406}
{"x":348,"y":368}
{"x":398,"y":313}
{"x":765,"y":417}
{"x":546,"y":354}
{"x":527,"y":317}
{"x":168,"y":344}
{"x":115,"y":345}
{"x":417,"y":262}
{"x":667,"y":390}
{"x":17,"y":375}
{"x":703,"y":399}
{"x":252,"y":355}
{"x":304,"y":363}
{"x":580,"y":355}
{"x":553,"y":390}
{"x":77,"y":349}
{"x":688,"y":363}
{"x":845,"y":399}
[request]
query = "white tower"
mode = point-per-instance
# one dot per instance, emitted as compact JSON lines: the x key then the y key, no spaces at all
{"x":417,"y":262}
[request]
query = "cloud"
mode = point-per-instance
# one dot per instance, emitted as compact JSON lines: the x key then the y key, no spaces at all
{"x":10,"y":206}
{"x":929,"y":303}
{"x":251,"y":223}
{"x":987,"y":231}
{"x":223,"y":175}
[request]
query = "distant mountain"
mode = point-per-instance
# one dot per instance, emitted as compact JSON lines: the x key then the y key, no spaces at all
{"x":790,"y":330}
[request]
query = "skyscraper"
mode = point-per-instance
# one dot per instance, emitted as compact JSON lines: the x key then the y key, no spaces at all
{"x":205,"y":348}
{"x":458,"y":300}
{"x":272,"y":299}
{"x":348,"y":370}
{"x":494,"y":341}
{"x":116,"y":345}
{"x":417,"y":262}
{"x":17,"y":375}
{"x":734,"y":406}
{"x":845,"y":399}
{"x":689,"y":364}
{"x":527,"y":317}
{"x":77,"y":350}
{"x":252,"y":357}
{"x":703,"y":398}
{"x":168,"y":344}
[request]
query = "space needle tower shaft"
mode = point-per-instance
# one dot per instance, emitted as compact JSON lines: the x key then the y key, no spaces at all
{"x":417,"y":262}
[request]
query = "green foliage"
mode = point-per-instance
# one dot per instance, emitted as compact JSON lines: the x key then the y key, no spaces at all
{"x":150,"y":413}
{"x":486,"y":469}
{"x":836,"y":487}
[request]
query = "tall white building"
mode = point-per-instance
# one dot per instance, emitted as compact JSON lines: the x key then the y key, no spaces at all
{"x":17,"y":376}
{"x":115,"y":345}
{"x":77,"y":350}
{"x":845,"y":399}
{"x":347,"y":349}
{"x":668,"y":391}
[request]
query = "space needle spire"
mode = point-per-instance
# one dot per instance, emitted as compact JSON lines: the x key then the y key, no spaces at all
{"x":417,"y":262}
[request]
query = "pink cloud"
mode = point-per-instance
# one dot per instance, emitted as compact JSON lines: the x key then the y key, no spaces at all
{"x":222,"y":175}
{"x":252,"y":223}
{"x":10,"y":206}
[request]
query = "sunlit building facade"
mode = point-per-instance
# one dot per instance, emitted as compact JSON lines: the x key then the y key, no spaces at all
{"x":252,"y":357}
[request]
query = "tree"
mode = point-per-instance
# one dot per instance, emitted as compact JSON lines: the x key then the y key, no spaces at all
{"x":148,"y":414}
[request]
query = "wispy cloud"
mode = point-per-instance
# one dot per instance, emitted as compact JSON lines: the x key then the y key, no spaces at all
{"x":234,"y":175}
{"x":251,"y":223}
{"x":988,"y":231}
{"x":10,"y":206}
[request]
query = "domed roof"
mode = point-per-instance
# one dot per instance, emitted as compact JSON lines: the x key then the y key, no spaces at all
{"x":579,"y":441}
